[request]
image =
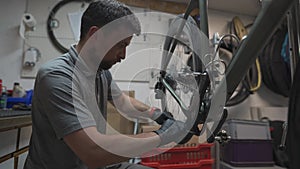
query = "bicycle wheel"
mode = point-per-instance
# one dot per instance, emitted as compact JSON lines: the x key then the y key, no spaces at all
{"x":181,"y":68}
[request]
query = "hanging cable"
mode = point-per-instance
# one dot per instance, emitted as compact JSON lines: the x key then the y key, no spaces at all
{"x":242,"y":33}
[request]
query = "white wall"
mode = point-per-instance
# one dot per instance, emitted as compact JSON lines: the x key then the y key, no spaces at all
{"x":10,"y":70}
{"x":11,"y":44}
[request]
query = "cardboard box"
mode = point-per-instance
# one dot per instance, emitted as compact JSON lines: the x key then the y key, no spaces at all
{"x":117,"y":121}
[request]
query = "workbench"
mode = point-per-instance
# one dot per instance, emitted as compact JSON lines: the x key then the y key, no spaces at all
{"x":10,"y":120}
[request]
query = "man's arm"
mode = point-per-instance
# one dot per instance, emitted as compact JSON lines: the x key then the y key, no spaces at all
{"x":132,"y":107}
{"x":137,"y":109}
{"x":98,"y":150}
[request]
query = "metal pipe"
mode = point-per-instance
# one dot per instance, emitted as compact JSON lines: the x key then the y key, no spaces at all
{"x":293,"y":32}
{"x":203,"y":17}
{"x":172,"y":92}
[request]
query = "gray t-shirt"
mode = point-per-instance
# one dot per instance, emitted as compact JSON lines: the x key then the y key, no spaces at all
{"x":65,"y":101}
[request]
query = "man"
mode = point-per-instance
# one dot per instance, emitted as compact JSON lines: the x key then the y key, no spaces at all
{"x":69,"y":103}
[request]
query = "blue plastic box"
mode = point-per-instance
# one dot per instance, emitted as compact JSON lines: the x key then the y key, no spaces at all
{"x":15,"y":100}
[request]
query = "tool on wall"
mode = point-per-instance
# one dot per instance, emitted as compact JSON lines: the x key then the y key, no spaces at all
{"x":28,"y":23}
{"x":31,"y":56}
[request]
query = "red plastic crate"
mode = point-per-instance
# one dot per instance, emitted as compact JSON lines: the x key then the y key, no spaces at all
{"x":180,"y":158}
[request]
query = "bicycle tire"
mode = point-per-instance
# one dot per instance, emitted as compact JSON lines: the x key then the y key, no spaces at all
{"x":198,"y":63}
{"x":168,"y":62}
{"x":280,"y":70}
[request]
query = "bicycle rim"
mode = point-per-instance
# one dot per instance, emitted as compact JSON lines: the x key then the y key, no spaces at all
{"x":182,"y":68}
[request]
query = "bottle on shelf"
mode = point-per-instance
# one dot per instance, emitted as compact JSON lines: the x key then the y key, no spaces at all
{"x":3,"y":98}
{"x":18,"y":91}
{"x":0,"y":87}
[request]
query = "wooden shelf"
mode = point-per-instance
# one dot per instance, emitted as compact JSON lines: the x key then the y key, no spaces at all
{"x":244,"y":7}
{"x":15,"y":122}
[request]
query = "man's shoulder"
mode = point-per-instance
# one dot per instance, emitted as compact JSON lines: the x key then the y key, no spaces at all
{"x":55,"y":73}
{"x":61,"y":64}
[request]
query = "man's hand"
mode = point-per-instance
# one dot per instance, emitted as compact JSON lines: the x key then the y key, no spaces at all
{"x":158,"y":116}
{"x":172,"y":131}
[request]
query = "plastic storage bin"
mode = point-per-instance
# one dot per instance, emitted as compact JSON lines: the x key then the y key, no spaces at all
{"x":247,"y":153}
{"x":181,"y":158}
{"x":247,"y":129}
{"x":15,"y":100}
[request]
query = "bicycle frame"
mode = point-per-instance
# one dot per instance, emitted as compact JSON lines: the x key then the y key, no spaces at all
{"x":261,"y":32}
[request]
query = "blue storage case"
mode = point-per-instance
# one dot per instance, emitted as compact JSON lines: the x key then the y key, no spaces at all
{"x":15,"y":100}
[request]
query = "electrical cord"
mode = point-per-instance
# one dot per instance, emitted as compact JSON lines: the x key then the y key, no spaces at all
{"x":254,"y":87}
{"x":254,"y":71}
{"x":228,"y":44}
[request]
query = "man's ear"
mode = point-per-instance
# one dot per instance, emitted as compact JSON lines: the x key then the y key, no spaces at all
{"x":95,"y":32}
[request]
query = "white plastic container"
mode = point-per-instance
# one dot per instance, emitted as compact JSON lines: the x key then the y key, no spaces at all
{"x":247,"y":129}
{"x":18,"y":91}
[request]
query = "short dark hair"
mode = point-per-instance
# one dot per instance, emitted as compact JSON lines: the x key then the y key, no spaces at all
{"x":102,"y":12}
